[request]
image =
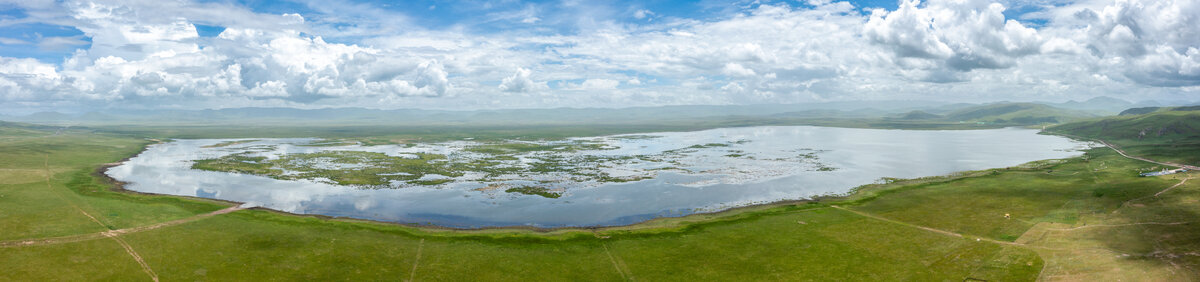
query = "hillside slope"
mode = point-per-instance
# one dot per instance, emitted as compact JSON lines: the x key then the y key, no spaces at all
{"x":1160,"y":126}
{"x":1016,"y":113}
{"x":1166,"y":133}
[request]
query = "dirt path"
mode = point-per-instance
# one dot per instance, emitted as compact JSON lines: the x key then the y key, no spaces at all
{"x":110,"y":233}
{"x":173,"y":222}
{"x":412,"y":275}
{"x":107,"y":233}
{"x":1172,"y":186}
{"x":930,"y":229}
{"x":1127,"y":203}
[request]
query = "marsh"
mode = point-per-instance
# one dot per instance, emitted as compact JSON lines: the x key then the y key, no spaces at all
{"x":584,"y":181}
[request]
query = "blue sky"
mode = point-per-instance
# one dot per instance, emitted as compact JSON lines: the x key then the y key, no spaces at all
{"x":472,"y":16}
{"x":507,"y":54}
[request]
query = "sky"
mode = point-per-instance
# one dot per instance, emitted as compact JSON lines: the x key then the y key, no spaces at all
{"x":76,"y":56}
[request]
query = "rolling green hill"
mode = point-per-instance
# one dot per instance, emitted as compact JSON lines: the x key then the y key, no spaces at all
{"x":1166,"y":133}
{"x":984,"y":116}
{"x":1163,"y":125}
{"x":1016,"y":113}
{"x":919,"y":115}
{"x":1138,"y":111}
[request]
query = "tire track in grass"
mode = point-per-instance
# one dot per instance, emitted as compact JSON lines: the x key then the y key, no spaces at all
{"x":947,"y":233}
{"x":60,"y":196}
{"x":109,"y":234}
{"x":412,"y":275}
{"x":930,"y":229}
{"x":619,"y":264}
{"x":129,"y":249}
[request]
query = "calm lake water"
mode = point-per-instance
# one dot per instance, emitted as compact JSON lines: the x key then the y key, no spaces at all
{"x":765,"y":170}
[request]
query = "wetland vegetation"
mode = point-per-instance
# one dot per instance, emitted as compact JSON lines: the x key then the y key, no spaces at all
{"x":583,"y":181}
{"x":534,"y":190}
{"x":573,"y":160}
{"x":368,"y":169}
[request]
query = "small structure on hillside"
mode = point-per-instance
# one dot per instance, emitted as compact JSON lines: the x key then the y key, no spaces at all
{"x":1163,"y":172}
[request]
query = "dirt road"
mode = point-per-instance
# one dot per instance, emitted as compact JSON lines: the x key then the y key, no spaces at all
{"x":111,"y":233}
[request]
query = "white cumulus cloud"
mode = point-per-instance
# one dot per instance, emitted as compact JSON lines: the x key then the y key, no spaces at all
{"x":599,"y":84}
{"x":961,"y":35}
{"x":520,"y":82}
{"x":149,"y":54}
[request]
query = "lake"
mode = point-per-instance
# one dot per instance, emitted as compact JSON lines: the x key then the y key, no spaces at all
{"x":671,"y":173}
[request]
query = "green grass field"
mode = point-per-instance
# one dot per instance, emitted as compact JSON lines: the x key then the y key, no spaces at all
{"x":1083,"y":219}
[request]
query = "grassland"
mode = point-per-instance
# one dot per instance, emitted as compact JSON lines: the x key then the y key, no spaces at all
{"x":1082,"y":219}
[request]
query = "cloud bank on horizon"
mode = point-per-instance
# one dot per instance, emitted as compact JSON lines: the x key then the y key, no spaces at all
{"x":184,"y":54}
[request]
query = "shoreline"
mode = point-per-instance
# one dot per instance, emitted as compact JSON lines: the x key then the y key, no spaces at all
{"x":118,"y":186}
{"x":858,"y":193}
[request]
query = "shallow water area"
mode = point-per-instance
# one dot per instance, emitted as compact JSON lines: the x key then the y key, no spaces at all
{"x":656,"y":174}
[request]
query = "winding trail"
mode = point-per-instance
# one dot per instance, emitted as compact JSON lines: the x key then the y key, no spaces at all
{"x":1172,"y":187}
{"x":1123,"y":154}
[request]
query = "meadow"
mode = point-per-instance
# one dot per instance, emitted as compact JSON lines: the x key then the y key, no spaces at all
{"x":1083,"y":218}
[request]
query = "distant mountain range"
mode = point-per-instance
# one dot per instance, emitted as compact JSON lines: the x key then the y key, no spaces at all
{"x":360,"y":116}
{"x":1109,"y":106}
{"x":998,"y":113}
{"x":1001,"y":113}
